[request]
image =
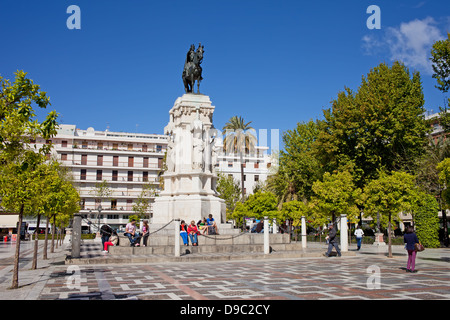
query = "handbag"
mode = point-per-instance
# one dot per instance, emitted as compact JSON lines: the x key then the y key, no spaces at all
{"x":419,"y":247}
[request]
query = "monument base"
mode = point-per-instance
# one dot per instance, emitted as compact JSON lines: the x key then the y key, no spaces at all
{"x":188,"y":208}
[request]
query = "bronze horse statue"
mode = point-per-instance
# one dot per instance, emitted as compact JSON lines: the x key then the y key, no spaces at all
{"x":192,"y":70}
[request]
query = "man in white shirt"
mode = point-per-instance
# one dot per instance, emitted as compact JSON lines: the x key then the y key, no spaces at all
{"x":359,"y":234}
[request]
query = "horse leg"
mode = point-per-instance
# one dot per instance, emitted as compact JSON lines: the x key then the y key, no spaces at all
{"x":198,"y":86}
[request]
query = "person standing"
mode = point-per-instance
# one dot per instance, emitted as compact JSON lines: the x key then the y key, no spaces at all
{"x":332,"y":241}
{"x":410,"y":239}
{"x":359,"y":235}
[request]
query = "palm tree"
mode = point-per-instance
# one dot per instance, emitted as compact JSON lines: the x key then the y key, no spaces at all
{"x":239,"y":139}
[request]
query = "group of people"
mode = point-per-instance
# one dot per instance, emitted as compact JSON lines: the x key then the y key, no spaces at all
{"x":110,"y":237}
{"x":410,"y":239}
{"x":206,"y":226}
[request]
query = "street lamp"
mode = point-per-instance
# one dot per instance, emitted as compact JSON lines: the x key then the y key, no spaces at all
{"x":98,"y":219}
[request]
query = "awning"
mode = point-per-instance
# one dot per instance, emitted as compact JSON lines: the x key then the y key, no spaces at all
{"x":8,"y":220}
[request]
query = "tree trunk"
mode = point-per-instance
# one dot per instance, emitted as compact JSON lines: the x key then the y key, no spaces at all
{"x":45,"y":241}
{"x":242,"y":177}
{"x":444,"y":224}
{"x":52,"y":247}
{"x":15,"y":279}
{"x":36,"y":244}
{"x":389,"y":237}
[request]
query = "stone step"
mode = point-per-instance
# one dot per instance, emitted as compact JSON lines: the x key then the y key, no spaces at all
{"x":240,"y":238}
{"x":164,"y":229}
{"x":203,"y":249}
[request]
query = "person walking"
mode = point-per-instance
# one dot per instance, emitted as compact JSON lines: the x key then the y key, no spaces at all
{"x":359,"y":235}
{"x":183,"y":233}
{"x":145,"y":233}
{"x":332,"y":241}
{"x":410,"y":239}
{"x":192,"y":232}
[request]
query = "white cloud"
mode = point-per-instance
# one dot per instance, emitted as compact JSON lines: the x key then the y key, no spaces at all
{"x":410,"y":43}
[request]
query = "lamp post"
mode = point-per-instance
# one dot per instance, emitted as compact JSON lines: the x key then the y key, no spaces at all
{"x":98,"y":220}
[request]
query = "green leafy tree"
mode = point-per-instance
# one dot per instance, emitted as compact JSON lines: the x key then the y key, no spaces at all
{"x":262,"y":204}
{"x":228,"y":190}
{"x":298,"y":165}
{"x":19,"y":174}
{"x":389,"y":195}
{"x":142,"y":205}
{"x":294,"y":210}
{"x":379,"y":127}
{"x":239,"y":139}
{"x":426,"y":221}
{"x":334,"y":196}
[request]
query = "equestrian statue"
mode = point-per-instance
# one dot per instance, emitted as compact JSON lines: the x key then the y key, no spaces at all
{"x":192,"y":70}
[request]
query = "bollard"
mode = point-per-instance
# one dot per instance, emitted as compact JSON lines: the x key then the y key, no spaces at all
{"x":303,"y":232}
{"x":177,"y":237}
{"x":266,"y":235}
{"x":76,"y":235}
{"x":274,"y":226}
{"x":344,"y":233}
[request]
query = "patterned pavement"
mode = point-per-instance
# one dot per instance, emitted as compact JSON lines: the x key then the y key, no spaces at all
{"x":360,"y":277}
{"x":366,"y":276}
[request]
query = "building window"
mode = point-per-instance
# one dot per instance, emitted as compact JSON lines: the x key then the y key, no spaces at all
{"x":82,"y":203}
{"x":256,"y":166}
{"x":130,"y":146}
{"x":145,"y":176}
{"x":99,"y":174}
{"x":84,"y":145}
{"x":269,"y":165}
{"x":144,"y":148}
{"x":63,"y":156}
{"x":115,"y":161}
{"x":99,"y":160}
{"x":83,"y":174}
{"x":84,"y":159}
{"x":113,"y":204}
{"x":130,"y":175}
{"x":115,"y":146}
{"x":230,"y":164}
{"x":114,"y":175}
{"x":129,"y":204}
{"x":64,"y":144}
{"x":160,"y":161}
{"x":158,"y":148}
{"x":145,"y":162}
{"x":256,"y":178}
{"x":100,"y":145}
{"x":130,"y":161}
{"x":245,"y":177}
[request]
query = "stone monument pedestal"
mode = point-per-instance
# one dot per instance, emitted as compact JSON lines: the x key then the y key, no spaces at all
{"x":190,"y":178}
{"x":379,"y":241}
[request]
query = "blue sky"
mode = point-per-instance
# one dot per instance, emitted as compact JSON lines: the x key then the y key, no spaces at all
{"x":275,"y":63}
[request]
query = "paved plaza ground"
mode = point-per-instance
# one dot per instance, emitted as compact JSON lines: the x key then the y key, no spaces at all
{"x":366,"y":275}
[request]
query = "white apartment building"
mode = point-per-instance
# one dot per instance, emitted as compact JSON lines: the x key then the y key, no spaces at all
{"x":256,"y":167}
{"x":126,"y":161}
